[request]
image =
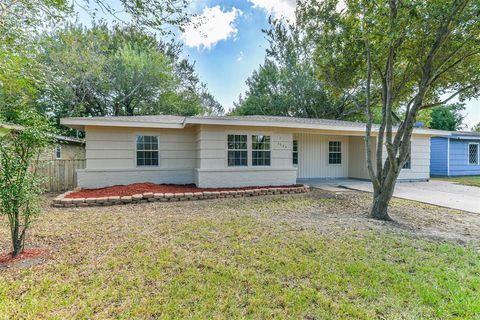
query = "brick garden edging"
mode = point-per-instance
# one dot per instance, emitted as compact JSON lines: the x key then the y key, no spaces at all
{"x":61,"y":201}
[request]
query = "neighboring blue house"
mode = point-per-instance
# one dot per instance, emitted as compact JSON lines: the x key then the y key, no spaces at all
{"x":455,"y":155}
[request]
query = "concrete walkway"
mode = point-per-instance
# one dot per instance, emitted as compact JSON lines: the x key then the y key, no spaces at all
{"x":436,"y":192}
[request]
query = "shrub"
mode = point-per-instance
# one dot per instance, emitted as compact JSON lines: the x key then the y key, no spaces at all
{"x":20,"y":185}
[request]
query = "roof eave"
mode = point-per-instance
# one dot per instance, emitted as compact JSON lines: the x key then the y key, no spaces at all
{"x":82,"y":123}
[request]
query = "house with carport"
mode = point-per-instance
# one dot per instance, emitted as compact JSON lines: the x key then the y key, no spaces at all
{"x":230,"y":151}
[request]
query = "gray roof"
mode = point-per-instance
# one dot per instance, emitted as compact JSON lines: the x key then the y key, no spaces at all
{"x":181,"y":119}
{"x":154,"y":118}
{"x":286,"y":119}
{"x":466,"y":134}
{"x":57,"y":137}
{"x":168,"y":121}
{"x":463,"y":135}
{"x":69,"y":139}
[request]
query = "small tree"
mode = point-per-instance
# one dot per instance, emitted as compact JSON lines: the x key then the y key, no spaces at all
{"x":20,"y":183}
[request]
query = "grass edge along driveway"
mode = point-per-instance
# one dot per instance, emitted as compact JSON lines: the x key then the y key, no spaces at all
{"x":473,"y":181}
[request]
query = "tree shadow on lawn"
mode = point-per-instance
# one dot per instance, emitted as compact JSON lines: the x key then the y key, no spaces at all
{"x":350,"y":210}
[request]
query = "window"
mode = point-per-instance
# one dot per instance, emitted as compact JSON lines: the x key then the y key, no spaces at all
{"x":147,"y":151}
{"x":334,"y":152}
{"x":473,"y":153}
{"x":260,"y":150}
{"x":58,"y":152}
{"x":237,"y":150}
{"x":295,"y":152}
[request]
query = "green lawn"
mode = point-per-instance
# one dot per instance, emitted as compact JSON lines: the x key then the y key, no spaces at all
{"x":466,"y":180}
{"x":259,"y":258}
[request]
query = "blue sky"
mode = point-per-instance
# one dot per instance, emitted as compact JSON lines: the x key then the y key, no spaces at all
{"x":229,"y":45}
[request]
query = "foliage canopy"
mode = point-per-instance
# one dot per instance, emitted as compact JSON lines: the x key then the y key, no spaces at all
{"x":120,"y":71}
{"x":405,"y":56}
{"x":287,"y":83}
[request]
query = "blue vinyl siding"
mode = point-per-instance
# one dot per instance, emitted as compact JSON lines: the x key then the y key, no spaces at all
{"x":459,"y":165}
{"x":438,"y":157}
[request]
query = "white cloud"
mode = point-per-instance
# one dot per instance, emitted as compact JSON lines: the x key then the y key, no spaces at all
{"x":277,"y":8}
{"x":210,"y":27}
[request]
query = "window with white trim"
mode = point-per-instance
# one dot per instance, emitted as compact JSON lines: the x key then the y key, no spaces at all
{"x":58,"y":152}
{"x":147,"y":151}
{"x":295,"y":152}
{"x":261,"y":155}
{"x":473,"y":153}
{"x":334,"y":152}
{"x":237,"y":150}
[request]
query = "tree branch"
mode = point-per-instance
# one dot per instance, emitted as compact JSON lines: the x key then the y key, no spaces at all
{"x":368,"y":131}
{"x":431,"y":105}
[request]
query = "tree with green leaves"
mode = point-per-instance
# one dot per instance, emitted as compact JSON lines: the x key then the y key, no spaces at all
{"x":447,"y":117}
{"x":287,"y":83}
{"x":24,"y":75}
{"x":21,"y":75}
{"x":404,"y":56}
{"x":103,"y":71}
{"x":20,"y":184}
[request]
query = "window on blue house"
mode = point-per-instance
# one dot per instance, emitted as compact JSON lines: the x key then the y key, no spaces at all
{"x":473,"y":153}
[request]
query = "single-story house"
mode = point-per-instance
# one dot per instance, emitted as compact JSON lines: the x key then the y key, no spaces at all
{"x":230,"y":151}
{"x":457,"y":154}
{"x":66,"y":148}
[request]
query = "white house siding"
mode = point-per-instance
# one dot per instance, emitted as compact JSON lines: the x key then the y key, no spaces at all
{"x":111,"y":157}
{"x":313,"y":156}
{"x":213,"y":170}
{"x":357,"y":164}
{"x":420,"y":159}
{"x":198,"y":154}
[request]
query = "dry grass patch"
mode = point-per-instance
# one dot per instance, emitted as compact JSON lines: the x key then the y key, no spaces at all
{"x":305,"y":256}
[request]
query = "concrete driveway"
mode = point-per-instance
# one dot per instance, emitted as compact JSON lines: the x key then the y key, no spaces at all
{"x":436,"y":192}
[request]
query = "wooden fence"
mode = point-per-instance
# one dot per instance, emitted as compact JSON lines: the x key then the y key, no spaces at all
{"x":60,"y":175}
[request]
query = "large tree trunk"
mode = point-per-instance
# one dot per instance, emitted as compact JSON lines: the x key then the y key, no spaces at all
{"x":379,"y":210}
{"x":382,"y":197}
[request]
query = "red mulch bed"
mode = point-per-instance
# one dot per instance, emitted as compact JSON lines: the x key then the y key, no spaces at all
{"x":26,"y":254}
{"x":138,"y":188}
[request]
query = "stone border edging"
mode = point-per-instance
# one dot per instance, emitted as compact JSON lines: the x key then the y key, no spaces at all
{"x":63,"y":202}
